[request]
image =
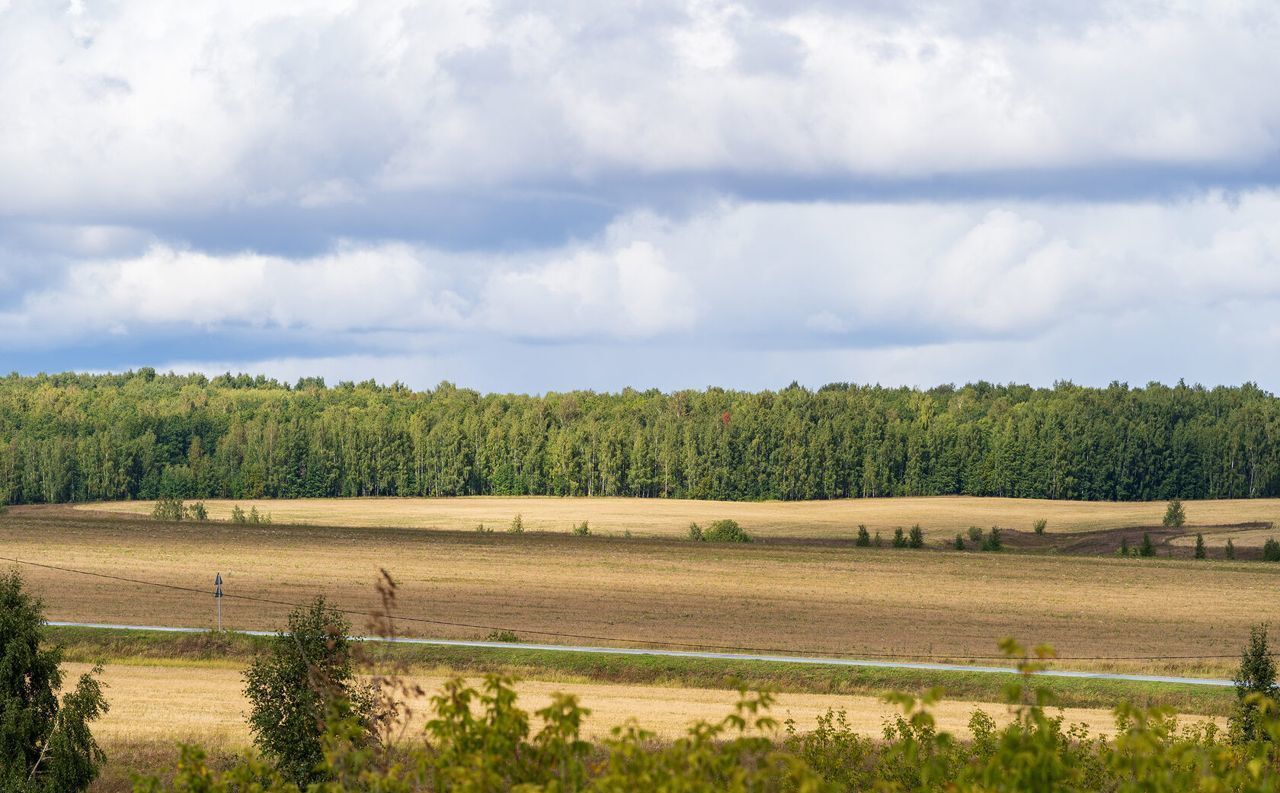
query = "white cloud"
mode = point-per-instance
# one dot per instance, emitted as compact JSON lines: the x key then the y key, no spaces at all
{"x":147,"y":107}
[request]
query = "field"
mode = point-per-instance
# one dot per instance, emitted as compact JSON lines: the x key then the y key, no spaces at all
{"x":940,"y":516}
{"x":1098,"y":612}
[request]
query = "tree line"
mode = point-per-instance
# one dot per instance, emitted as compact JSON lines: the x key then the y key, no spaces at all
{"x":76,"y":437}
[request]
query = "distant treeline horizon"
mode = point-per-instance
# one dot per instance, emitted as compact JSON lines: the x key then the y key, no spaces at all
{"x":86,"y":437}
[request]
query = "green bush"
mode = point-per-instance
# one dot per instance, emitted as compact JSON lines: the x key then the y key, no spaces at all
{"x":1230,"y":550}
{"x":1255,"y":681}
{"x":864,"y":536}
{"x":1199,"y":552}
{"x":915,"y":539}
{"x":198,"y":512}
{"x":169,"y":510}
{"x":517,"y":524}
{"x":1271,"y":550}
{"x":237,"y":515}
{"x":581,"y":529}
{"x":975,"y":534}
{"x":878,"y":542}
{"x":695,"y":532}
{"x":725,"y":531}
{"x":1174,"y":515}
{"x":1124,"y":546}
{"x":899,"y":538}
{"x":959,"y":543}
{"x":1039,"y":526}
{"x":992,"y":542}
{"x":509,"y":637}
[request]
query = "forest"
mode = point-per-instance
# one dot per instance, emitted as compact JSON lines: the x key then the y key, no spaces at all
{"x":80,"y":437}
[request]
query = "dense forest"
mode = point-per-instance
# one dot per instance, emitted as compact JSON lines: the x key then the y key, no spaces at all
{"x":74,"y":437}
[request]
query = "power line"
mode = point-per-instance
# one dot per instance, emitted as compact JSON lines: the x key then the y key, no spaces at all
{"x":622,"y":640}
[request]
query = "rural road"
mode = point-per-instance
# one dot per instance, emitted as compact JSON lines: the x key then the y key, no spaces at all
{"x":783,"y":659}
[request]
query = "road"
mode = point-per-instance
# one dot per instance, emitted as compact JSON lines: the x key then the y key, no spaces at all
{"x":782,"y":659}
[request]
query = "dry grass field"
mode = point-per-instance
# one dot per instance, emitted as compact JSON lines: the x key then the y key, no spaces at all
{"x":940,"y":516}
{"x":155,"y":707}
{"x":799,"y":597}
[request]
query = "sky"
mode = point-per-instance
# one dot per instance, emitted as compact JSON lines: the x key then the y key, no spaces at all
{"x":527,"y":197}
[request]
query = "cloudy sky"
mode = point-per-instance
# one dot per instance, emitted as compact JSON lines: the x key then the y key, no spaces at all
{"x":576,"y":194}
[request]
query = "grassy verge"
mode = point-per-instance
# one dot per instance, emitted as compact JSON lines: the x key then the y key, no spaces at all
{"x":118,"y":646}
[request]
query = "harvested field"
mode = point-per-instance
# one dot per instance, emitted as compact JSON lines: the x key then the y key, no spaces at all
{"x":153,"y":707}
{"x":1101,"y":613}
{"x":940,"y":516}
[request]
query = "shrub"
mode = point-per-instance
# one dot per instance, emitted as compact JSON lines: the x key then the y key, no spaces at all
{"x":1255,"y":680}
{"x":238,"y":516}
{"x":959,"y":544}
{"x":517,"y":524}
{"x":509,"y":637}
{"x":878,"y":542}
{"x":168,"y":509}
{"x":992,"y":543}
{"x":481,"y":529}
{"x":581,"y":529}
{"x":975,"y":534}
{"x":45,"y":744}
{"x":1146,"y":549}
{"x":695,"y":532}
{"x":1199,"y":552}
{"x":1124,"y":546}
{"x":1230,"y":550}
{"x":1174,"y":515}
{"x":899,"y":538}
{"x":256,"y":517}
{"x":1040,"y":525}
{"x":916,"y":538}
{"x":305,"y":678}
{"x":198,"y":512}
{"x":1271,"y":550}
{"x":864,"y":536}
{"x":725,"y":531}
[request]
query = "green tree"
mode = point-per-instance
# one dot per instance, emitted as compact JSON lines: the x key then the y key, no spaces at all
{"x":899,"y":538}
{"x":304,"y":679}
{"x":517,"y":524}
{"x":915,"y":539}
{"x":695,"y":532}
{"x":581,"y":529}
{"x":993,"y":542}
{"x":1174,"y":515}
{"x":959,"y":544}
{"x":1230,"y":550}
{"x":1146,"y":548}
{"x":1039,"y":526}
{"x":45,"y":744}
{"x":1124,"y":546}
{"x":1199,"y":552}
{"x":1271,"y":550}
{"x":864,"y":536}
{"x":1255,"y":680}
{"x":725,"y":531}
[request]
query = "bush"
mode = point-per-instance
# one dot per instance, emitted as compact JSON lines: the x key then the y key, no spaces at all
{"x":480,"y":529}
{"x":695,"y":532}
{"x":517,"y":524}
{"x":1124,"y":546}
{"x":197,"y":512}
{"x":45,"y":744}
{"x":1230,"y":550}
{"x":581,"y":529}
{"x":1174,"y":515}
{"x":256,"y":517}
{"x":1040,"y":525}
{"x":864,"y":536}
{"x":1199,"y":552}
{"x":975,"y":534}
{"x":509,"y":637}
{"x":725,"y":531}
{"x":1271,"y":550}
{"x":1255,"y":680}
{"x":238,"y":516}
{"x":168,"y":509}
{"x":878,"y":542}
{"x":959,"y":544}
{"x":899,"y":538}
{"x":992,"y":543}
{"x":916,"y":538}
{"x":305,"y":678}
{"x":1146,"y":549}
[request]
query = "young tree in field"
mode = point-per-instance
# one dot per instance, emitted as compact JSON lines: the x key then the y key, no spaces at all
{"x":959,"y":543}
{"x":1039,"y":526}
{"x":1255,"y":680}
{"x":1146,"y":549}
{"x":992,"y":542}
{"x":1199,"y":554}
{"x":517,"y":524}
{"x":1230,"y":550}
{"x":916,"y":537}
{"x":45,"y":744}
{"x":1174,"y":515}
{"x":1124,"y":546}
{"x":305,"y":679}
{"x":864,"y":536}
{"x":1271,"y":550}
{"x":899,"y":538}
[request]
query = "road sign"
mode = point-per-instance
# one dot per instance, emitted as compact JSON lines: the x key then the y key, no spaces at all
{"x":217,"y":596}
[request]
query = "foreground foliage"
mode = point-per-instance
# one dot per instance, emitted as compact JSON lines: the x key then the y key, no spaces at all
{"x":480,"y":740}
{"x":77,"y":437}
{"x":45,"y":743}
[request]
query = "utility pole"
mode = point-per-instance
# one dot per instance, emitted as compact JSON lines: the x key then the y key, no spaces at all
{"x":217,"y":597}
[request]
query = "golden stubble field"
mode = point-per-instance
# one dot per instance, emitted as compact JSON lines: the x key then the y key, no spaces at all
{"x":1097,"y":612}
{"x":940,"y":516}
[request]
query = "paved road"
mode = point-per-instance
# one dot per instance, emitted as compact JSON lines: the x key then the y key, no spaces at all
{"x":784,"y":659}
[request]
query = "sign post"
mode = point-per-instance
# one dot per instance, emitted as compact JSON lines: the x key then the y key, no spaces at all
{"x":217,"y":596}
